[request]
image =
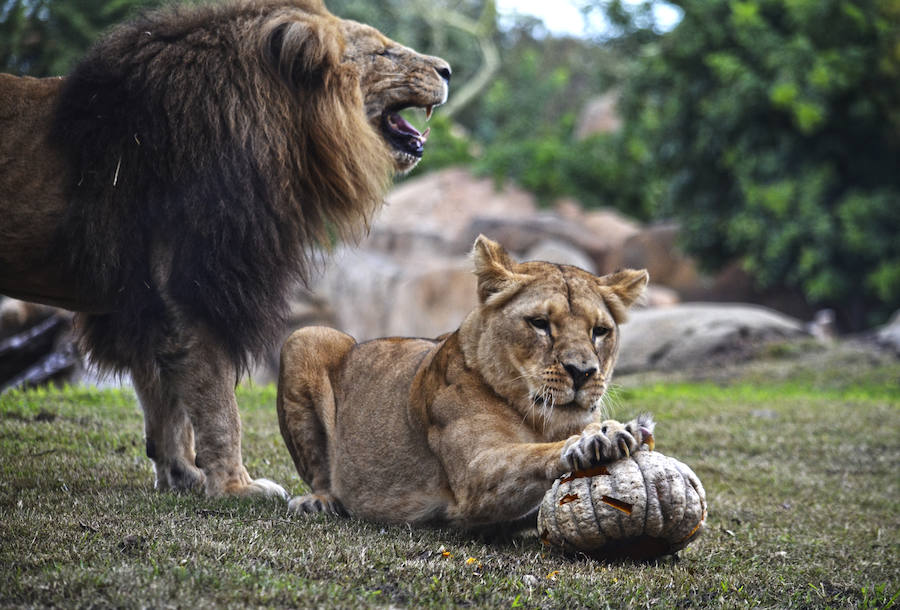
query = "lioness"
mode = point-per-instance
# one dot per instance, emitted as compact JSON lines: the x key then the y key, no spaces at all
{"x":471,"y":428}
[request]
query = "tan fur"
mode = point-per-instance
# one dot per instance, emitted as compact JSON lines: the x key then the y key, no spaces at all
{"x":470,"y":428}
{"x":172,"y":187}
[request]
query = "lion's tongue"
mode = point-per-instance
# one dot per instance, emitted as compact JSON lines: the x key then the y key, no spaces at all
{"x":406,"y":137}
{"x":398,"y":123}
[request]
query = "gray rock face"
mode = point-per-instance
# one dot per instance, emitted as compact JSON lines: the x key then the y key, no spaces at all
{"x":889,"y":334}
{"x":374,"y":295}
{"x":698,"y":334}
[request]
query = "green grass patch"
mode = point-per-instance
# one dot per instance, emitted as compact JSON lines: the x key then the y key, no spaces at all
{"x":801,"y":478}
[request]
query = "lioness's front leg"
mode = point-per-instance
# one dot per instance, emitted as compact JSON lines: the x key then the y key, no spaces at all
{"x":499,"y":480}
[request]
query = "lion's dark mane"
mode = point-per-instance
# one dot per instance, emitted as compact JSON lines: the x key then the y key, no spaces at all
{"x":210,"y":148}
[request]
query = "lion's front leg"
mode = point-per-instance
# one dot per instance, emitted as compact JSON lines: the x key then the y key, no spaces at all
{"x":204,"y":382}
{"x":191,"y":416}
{"x":169,"y":435}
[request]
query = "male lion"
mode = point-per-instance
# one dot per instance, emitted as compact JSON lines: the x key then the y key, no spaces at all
{"x":469,"y":429}
{"x":172,"y":188}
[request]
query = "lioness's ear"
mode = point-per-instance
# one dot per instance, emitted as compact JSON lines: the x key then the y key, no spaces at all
{"x":301,"y":51}
{"x":494,"y":268}
{"x":621,"y":289}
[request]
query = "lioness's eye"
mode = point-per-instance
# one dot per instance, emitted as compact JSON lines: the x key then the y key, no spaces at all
{"x":539,"y":323}
{"x":600,"y":332}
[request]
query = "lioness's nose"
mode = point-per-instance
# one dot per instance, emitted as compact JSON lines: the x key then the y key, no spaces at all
{"x":579,"y":376}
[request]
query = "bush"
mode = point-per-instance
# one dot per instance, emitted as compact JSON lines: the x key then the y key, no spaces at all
{"x":775,"y":125}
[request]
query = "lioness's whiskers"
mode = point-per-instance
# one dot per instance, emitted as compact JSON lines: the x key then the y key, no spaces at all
{"x":611,"y":400}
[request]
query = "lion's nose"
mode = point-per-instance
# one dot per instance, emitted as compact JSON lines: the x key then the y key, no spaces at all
{"x":444,"y":71}
{"x":579,"y":376}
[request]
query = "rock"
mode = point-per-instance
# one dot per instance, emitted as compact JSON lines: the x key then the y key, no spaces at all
{"x":889,"y":334}
{"x":611,"y":227}
{"x":599,"y":116}
{"x":37,"y":346}
{"x":655,"y":249}
{"x":441,"y":204}
{"x":374,"y":295}
{"x":659,"y":296}
{"x":693,"y":335}
{"x":561,"y":253}
{"x":16,"y":315}
{"x":520,"y":234}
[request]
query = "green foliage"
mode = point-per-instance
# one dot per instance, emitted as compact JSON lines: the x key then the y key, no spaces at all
{"x":46,"y":37}
{"x":524,"y":123}
{"x":775,"y":125}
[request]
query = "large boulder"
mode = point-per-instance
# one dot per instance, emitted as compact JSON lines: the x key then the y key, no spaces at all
{"x":599,"y":116}
{"x":889,"y":334}
{"x":692,"y":335}
{"x":520,"y":234}
{"x":436,"y":209}
{"x":374,"y":295}
{"x":656,"y":250}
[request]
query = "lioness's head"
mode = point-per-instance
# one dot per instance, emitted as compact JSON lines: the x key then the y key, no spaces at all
{"x":545,"y":336}
{"x":312,"y":49}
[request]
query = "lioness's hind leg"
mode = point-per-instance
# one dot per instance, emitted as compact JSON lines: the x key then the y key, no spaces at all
{"x":306,"y":406}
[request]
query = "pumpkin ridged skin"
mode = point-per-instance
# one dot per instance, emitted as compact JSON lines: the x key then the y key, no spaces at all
{"x":639,"y":507}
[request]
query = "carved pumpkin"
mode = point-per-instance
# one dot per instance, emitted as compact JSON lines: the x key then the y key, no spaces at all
{"x":639,"y":507}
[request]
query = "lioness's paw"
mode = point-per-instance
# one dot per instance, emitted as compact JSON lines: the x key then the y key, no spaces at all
{"x":641,"y":428}
{"x":608,"y":441}
{"x":317,"y":503}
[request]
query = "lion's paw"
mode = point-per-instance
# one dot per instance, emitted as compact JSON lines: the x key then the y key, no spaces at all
{"x":317,"y":503}
{"x":267,"y":488}
{"x":258,"y":488}
{"x":179,"y":476}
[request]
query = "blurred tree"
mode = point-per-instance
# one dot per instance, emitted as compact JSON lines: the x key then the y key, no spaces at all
{"x":525,"y":120}
{"x":775,"y":127}
{"x":46,"y":37}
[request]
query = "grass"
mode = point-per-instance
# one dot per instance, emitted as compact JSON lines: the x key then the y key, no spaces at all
{"x":801,"y":476}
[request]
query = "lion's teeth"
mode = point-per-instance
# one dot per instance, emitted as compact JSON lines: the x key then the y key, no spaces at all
{"x":428,"y":110}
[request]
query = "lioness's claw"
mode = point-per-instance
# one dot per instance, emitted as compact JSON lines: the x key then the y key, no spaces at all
{"x":648,"y":438}
{"x":624,"y":447}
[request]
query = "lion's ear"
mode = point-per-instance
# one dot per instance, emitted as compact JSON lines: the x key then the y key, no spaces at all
{"x":302,"y":51}
{"x":621,"y":289}
{"x":494,"y":268}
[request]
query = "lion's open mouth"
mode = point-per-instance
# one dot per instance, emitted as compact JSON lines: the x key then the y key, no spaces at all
{"x":401,"y":135}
